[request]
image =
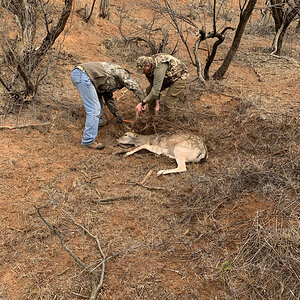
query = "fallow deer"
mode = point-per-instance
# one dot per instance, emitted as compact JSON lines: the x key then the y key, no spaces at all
{"x":182,"y":147}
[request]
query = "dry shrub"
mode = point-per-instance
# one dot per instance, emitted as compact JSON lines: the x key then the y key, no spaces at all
{"x":257,"y":153}
{"x":269,"y":135}
{"x":252,"y":154}
{"x":150,"y":124}
{"x":267,"y":263}
{"x":129,"y":51}
{"x":265,"y":176}
{"x":260,"y":30}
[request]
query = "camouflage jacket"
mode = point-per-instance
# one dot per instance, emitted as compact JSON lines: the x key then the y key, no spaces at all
{"x":108,"y":77}
{"x":176,"y":69}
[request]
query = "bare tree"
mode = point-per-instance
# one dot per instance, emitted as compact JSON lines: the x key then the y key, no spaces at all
{"x":87,"y":13}
{"x":96,"y":282}
{"x":245,"y":12}
{"x":154,"y":36}
{"x":104,"y":9}
{"x":178,"y":19}
{"x":25,"y":43}
{"x":283,"y":12}
{"x":266,"y":13}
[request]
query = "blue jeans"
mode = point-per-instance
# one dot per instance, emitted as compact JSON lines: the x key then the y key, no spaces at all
{"x":92,"y":104}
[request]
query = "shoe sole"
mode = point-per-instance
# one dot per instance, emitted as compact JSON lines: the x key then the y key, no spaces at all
{"x":94,"y":148}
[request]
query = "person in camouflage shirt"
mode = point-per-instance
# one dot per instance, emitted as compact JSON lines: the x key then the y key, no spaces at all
{"x":163,"y":71}
{"x":96,"y":81}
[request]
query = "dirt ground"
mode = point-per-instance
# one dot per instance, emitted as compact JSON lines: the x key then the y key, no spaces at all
{"x":179,"y":236}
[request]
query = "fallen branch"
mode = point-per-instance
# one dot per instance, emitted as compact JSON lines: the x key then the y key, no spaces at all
{"x":96,"y":285}
{"x":253,"y":68}
{"x":227,"y":95}
{"x":146,"y":186}
{"x":115,"y":198}
{"x":117,"y":254}
{"x":146,"y":177}
{"x":24,"y":126}
{"x":79,"y":295}
{"x":61,"y":239}
{"x":289,"y":59}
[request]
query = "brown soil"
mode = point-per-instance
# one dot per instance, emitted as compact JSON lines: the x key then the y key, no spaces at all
{"x":162,"y":246}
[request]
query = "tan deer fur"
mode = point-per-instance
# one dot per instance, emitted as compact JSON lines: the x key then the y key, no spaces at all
{"x":182,"y":147}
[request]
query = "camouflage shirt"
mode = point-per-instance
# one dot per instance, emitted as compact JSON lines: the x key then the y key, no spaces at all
{"x":165,"y":70}
{"x":108,"y":77}
{"x":176,"y":69}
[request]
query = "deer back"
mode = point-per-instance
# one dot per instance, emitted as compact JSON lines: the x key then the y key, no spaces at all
{"x":189,"y":147}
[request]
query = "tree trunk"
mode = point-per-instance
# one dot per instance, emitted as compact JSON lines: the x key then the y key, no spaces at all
{"x":277,"y":13}
{"x":22,"y":55}
{"x":104,"y":9}
{"x":54,"y":33}
{"x":298,"y":26}
{"x":280,"y":32}
{"x":236,"y":41}
{"x":211,"y":57}
{"x":197,"y":59}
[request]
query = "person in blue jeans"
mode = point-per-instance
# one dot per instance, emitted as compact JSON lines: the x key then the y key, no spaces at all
{"x":96,"y":81}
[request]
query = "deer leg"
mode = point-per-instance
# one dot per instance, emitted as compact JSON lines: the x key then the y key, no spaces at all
{"x":181,"y":167}
{"x":151,"y":148}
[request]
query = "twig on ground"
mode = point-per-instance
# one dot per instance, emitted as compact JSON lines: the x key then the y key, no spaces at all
{"x":121,"y":152}
{"x":116,"y":254}
{"x":60,"y":238}
{"x":79,"y":295}
{"x":16,"y":229}
{"x":24,"y":126}
{"x":112,"y":199}
{"x":227,"y":95}
{"x":96,"y":285}
{"x":147,"y":176}
{"x":286,"y":58}
{"x":146,"y":186}
{"x":253,"y":68}
{"x":65,"y":270}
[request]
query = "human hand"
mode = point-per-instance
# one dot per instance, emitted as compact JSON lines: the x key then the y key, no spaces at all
{"x":140,"y":108}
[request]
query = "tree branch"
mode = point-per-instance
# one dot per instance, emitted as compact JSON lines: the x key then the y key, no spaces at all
{"x":96,"y":285}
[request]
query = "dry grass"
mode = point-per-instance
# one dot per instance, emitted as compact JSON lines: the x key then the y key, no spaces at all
{"x":251,"y":155}
{"x":267,"y":262}
{"x":226,"y":229}
{"x":253,"y":256}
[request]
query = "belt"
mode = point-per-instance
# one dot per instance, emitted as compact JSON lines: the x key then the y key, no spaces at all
{"x":80,"y":68}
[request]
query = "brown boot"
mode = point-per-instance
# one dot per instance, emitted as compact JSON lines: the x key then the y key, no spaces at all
{"x":95,"y":146}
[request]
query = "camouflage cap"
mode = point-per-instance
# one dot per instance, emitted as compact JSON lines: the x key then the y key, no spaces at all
{"x":141,"y":62}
